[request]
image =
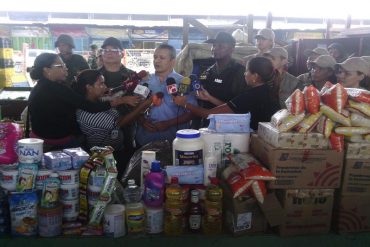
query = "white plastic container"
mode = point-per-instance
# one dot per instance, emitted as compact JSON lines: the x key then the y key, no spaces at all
{"x":114,"y":221}
{"x":69,"y":176}
{"x":70,"y":210}
{"x":147,"y":157}
{"x":154,"y":220}
{"x":69,"y":192}
{"x":8,"y":179}
{"x":30,"y":150}
{"x":188,"y":148}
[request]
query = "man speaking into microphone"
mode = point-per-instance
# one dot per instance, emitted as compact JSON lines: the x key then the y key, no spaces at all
{"x":164,"y":119}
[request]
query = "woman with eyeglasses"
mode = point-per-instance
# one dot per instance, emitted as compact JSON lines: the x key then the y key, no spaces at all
{"x":353,"y":73}
{"x":258,"y":100}
{"x":52,"y":104}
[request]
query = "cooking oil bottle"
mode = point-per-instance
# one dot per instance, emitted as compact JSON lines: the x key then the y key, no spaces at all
{"x":175,"y":209}
{"x":212,"y":219}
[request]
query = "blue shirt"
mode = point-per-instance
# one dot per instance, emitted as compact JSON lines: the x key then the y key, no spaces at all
{"x":167,"y":110}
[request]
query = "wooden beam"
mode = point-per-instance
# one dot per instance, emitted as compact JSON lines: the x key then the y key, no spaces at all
{"x":250,"y":29}
{"x":328,"y":27}
{"x":210,"y":33}
{"x":185,"y":31}
{"x":269,"y":20}
{"x":348,"y":22}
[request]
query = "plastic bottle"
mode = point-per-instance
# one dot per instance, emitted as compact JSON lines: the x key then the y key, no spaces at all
{"x":212,"y":219}
{"x":175,"y":209}
{"x":50,"y":191}
{"x":195,"y":212}
{"x":210,"y":166}
{"x":154,"y":186}
{"x":135,"y":216}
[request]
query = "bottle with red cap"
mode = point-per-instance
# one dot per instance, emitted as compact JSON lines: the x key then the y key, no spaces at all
{"x":212,"y":219}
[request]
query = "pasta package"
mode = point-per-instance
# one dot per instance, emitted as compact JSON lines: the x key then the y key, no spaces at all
{"x":325,"y":126}
{"x":295,"y":102}
{"x":335,"y":97}
{"x":361,"y":107}
{"x":326,"y":87}
{"x":355,"y":138}
{"x":308,"y":123}
{"x":359,"y":120}
{"x":279,"y":117}
{"x":359,"y":95}
{"x":311,"y":99}
{"x":335,"y":116}
{"x":290,"y":122}
{"x":350,"y":131}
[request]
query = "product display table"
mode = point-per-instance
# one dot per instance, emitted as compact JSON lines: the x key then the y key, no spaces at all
{"x":332,"y":239}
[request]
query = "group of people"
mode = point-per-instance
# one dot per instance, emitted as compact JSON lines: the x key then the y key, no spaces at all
{"x":66,"y":109}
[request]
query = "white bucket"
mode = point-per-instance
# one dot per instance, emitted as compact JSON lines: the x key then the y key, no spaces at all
{"x":68,"y":192}
{"x":114,"y":221}
{"x":70,"y":210}
{"x":8,"y":179}
{"x":30,"y":150}
{"x":69,"y":176}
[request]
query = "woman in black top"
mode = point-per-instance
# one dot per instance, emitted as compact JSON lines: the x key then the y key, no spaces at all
{"x":258,"y":100}
{"x":52,"y":105}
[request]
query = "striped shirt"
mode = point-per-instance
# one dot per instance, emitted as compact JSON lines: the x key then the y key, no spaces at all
{"x":100,"y":128}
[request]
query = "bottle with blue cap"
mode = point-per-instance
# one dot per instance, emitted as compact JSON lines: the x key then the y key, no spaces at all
{"x":154,"y":186}
{"x":188,"y":148}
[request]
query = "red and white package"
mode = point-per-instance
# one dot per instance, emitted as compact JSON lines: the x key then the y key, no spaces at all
{"x":336,"y":142}
{"x":326,"y":87}
{"x":295,"y":102}
{"x":335,"y":97}
{"x":359,"y":95}
{"x":311,"y":99}
{"x":259,"y":190}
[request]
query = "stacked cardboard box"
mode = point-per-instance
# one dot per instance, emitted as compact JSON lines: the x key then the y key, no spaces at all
{"x":306,"y":171}
{"x":352,"y":212}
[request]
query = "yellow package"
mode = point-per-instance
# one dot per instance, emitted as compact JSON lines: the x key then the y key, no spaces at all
{"x":350,"y":131}
{"x":359,"y":120}
{"x":309,"y":122}
{"x":290,"y":122}
{"x":335,"y":116}
{"x":362,"y":107}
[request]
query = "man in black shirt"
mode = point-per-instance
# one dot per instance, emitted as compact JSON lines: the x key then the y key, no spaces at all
{"x":224,"y":80}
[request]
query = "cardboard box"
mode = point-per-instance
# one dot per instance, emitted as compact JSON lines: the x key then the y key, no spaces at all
{"x":242,"y":215}
{"x":356,"y":177}
{"x":306,"y":211}
{"x":270,"y":134}
{"x":358,"y":150}
{"x":352,"y":214}
{"x":299,"y":168}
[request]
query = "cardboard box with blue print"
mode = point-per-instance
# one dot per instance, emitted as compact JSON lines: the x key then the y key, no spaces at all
{"x":306,"y":211}
{"x":299,"y":168}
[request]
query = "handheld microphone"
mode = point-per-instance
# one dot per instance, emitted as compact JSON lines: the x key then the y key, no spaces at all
{"x":142,"y":91}
{"x":184,"y":85}
{"x":133,"y":80}
{"x":195,"y":83}
{"x":171,"y":86}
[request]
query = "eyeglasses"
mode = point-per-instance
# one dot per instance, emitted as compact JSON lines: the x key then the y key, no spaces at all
{"x":59,"y":66}
{"x":111,"y":50}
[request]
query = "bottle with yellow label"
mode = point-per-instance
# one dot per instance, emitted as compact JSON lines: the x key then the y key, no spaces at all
{"x":135,"y":215}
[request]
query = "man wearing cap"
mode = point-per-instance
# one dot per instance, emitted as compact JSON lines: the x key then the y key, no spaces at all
{"x":224,"y":80}
{"x":285,"y":83}
{"x":115,"y":73}
{"x":322,"y":71}
{"x":353,"y":73}
{"x":306,"y":78}
{"x":74,"y":62}
{"x":265,"y":40}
